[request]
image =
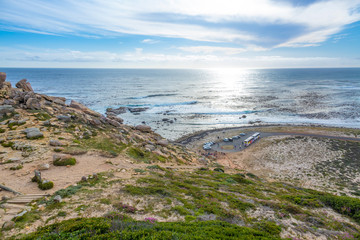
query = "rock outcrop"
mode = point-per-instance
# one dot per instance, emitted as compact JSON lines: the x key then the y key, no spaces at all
{"x":24,"y":85}
{"x":143,"y":128}
{"x":77,"y":105}
{"x":2,"y":79}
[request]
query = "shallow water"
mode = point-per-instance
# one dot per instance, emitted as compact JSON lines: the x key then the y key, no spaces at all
{"x":206,"y":99}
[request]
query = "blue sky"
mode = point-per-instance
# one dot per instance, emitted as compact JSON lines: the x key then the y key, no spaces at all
{"x":180,"y":33}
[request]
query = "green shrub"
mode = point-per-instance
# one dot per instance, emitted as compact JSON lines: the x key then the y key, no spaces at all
{"x":42,"y":116}
{"x":62,"y":214}
{"x":219,"y":170}
{"x":269,"y":227}
{"x":65,"y":162}
{"x":240,"y":178}
{"x":45,"y":185}
{"x":18,"y":167}
{"x":2,"y":130}
{"x":7,"y":144}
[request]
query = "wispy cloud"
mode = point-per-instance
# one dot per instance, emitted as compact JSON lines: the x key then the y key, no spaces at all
{"x":149,"y":41}
{"x":224,"y":21}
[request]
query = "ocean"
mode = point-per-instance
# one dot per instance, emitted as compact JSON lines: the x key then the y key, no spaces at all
{"x":181,"y":101}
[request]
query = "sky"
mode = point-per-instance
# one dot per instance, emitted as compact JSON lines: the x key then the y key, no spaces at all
{"x":180,"y":33}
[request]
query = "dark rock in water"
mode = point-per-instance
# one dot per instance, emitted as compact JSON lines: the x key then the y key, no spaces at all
{"x":2,"y":79}
{"x":24,"y":85}
{"x":143,"y":122}
{"x":116,"y":111}
{"x":143,"y":128}
{"x":137,"y":110}
{"x":33,"y":104}
{"x":64,"y":118}
{"x":6,"y":109}
{"x":243,"y":116}
{"x":77,"y":105}
{"x":165,"y":119}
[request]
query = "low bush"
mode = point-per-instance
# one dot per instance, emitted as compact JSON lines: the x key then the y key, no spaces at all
{"x":45,"y":185}
{"x":65,"y":162}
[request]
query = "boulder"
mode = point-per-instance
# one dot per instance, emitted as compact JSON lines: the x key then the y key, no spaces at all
{"x":6,"y":109}
{"x":143,"y":128}
{"x":2,"y":79}
{"x":57,"y":199}
{"x":44,"y":166}
{"x":113,"y":122}
{"x":33,"y":133}
{"x":116,"y":118}
{"x":163,"y":142}
{"x":56,"y":143}
{"x":24,"y":85}
{"x":59,"y":101}
{"x":63,"y":118}
{"x":77,"y":105}
{"x":150,"y":147}
{"x":33,"y":104}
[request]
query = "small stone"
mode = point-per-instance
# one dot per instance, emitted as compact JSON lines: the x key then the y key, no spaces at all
{"x":8,"y":225}
{"x":41,"y":208}
{"x":33,"y":133}
{"x":95,"y":176}
{"x":63,"y":118}
{"x":6,"y":109}
{"x":55,"y":143}
{"x":57,"y":199}
{"x":21,"y":214}
{"x":83,"y":178}
{"x":44,"y":166}
{"x":163,"y":142}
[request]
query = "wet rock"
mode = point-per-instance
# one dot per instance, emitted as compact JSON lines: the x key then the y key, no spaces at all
{"x":33,"y":104}
{"x":243,"y":116}
{"x":6,"y":109}
{"x":63,"y":118}
{"x":56,"y":143}
{"x":116,"y":111}
{"x":143,"y":128}
{"x":33,"y":133}
{"x":24,"y":85}
{"x":57,"y":199}
{"x":137,"y":110}
{"x":8,"y":225}
{"x":163,"y":142}
{"x":43,"y":167}
{"x":77,"y":105}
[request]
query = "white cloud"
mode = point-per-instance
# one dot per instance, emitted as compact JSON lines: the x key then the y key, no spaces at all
{"x":318,"y":21}
{"x":149,"y":41}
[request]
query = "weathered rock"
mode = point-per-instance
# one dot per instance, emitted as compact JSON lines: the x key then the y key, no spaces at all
{"x":77,"y":105}
{"x":163,"y":142}
{"x":56,"y":143}
{"x":143,"y":128}
{"x":59,"y":101}
{"x":115,"y":118}
{"x":6,"y":109}
{"x":150,"y":147}
{"x":113,"y":122}
{"x":33,"y":133}
{"x":21,"y":214}
{"x":2,"y":212}
{"x":57,"y":199}
{"x":2,"y":79}
{"x":37,"y":177}
{"x":95,"y":122}
{"x":10,"y":102}
{"x":64,"y":118}
{"x":24,"y":85}
{"x":137,"y":110}
{"x":8,"y":225}
{"x":33,"y":104}
{"x":116,"y":111}
{"x":83,"y":178}
{"x":43,"y":167}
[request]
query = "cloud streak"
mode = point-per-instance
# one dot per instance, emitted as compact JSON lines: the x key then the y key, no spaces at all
{"x":217,"y":21}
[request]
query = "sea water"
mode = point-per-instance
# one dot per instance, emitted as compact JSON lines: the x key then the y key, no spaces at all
{"x":199,"y":99}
